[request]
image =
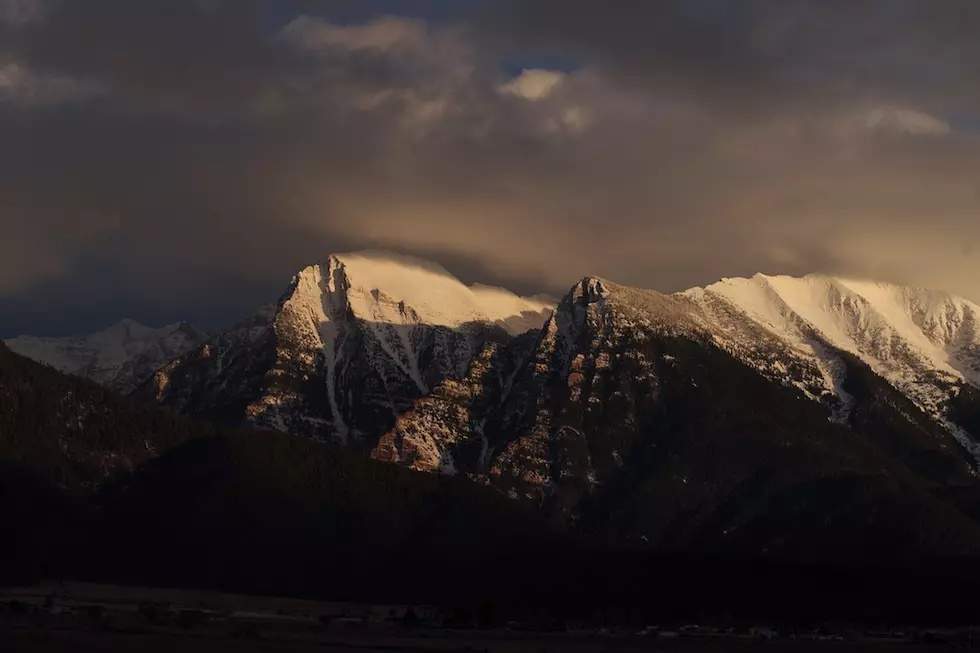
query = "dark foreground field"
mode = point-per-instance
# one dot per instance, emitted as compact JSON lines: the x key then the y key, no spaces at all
{"x":34,"y":639}
{"x":93,"y":618}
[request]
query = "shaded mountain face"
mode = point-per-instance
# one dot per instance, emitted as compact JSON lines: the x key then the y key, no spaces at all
{"x":121,"y":357}
{"x":75,"y":433}
{"x":766,"y":414}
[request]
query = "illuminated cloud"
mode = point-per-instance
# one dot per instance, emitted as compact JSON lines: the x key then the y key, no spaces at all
{"x":533,"y":84}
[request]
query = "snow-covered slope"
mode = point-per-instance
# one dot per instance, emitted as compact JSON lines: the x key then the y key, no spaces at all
{"x":120,"y":357}
{"x":924,"y":342}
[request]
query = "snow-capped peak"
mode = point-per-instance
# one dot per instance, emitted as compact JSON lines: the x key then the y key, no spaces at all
{"x":120,"y":357}
{"x":913,"y":337}
{"x":396,"y":324}
{"x":883,"y":323}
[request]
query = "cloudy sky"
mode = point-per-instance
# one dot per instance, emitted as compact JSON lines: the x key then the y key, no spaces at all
{"x":181,"y":159}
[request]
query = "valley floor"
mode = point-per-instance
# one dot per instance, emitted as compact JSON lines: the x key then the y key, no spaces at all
{"x":96,"y":618}
{"x":17,"y":639}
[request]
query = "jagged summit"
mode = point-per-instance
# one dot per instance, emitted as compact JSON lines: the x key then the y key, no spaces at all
{"x":589,"y":289}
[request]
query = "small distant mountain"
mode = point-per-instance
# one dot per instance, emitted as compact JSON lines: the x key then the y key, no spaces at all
{"x":120,"y":358}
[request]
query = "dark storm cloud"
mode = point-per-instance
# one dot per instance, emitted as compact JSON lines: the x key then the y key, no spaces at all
{"x":182,"y":158}
{"x":827,"y":141}
{"x":753,"y":51}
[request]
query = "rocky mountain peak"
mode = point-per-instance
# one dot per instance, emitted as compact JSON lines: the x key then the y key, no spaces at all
{"x":352,"y":344}
{"x":589,"y":290}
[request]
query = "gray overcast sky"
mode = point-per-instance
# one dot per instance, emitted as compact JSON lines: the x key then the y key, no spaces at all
{"x":181,"y":159}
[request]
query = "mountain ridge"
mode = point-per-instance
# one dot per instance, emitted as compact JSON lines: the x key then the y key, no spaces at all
{"x":925,"y":342}
{"x":792,"y":329}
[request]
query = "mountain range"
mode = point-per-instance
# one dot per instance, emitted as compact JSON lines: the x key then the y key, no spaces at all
{"x":767,"y":415}
{"x":99,"y":487}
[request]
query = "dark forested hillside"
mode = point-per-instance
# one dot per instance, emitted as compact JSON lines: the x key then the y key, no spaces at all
{"x":76,"y":433}
{"x":272,"y":513}
{"x":180,"y":502}
{"x":720,"y":459}
{"x":777,"y":511}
